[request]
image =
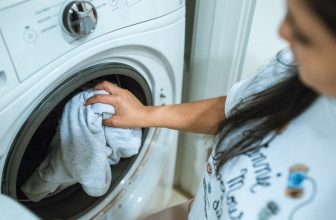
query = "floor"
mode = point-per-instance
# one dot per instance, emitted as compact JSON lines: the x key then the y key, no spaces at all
{"x":177,"y":198}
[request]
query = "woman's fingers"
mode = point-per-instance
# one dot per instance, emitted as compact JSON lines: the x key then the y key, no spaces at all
{"x":129,"y":111}
{"x":109,"y":87}
{"x":101,"y":98}
{"x":110,"y":122}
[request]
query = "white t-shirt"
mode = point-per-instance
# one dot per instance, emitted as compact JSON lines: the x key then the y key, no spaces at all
{"x":289,"y":178}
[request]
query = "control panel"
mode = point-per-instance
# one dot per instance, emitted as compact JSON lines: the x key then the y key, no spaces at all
{"x":37,"y":32}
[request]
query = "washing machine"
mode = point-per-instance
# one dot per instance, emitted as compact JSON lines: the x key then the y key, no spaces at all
{"x":51,"y":50}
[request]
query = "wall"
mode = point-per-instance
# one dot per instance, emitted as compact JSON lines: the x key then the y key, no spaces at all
{"x":264,"y":40}
{"x":231,"y":40}
{"x":219,"y":39}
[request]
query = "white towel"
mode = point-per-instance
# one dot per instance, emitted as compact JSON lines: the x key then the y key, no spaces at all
{"x":82,"y":150}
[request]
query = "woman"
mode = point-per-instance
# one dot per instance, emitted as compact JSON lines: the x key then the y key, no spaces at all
{"x":277,"y":137}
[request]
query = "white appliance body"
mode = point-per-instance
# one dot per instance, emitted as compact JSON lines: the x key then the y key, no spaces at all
{"x":37,"y":59}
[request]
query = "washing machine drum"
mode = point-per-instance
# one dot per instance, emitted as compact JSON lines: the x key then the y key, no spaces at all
{"x":31,"y":145}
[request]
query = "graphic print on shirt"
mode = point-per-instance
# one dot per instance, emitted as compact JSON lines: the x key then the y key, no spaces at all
{"x":209,"y":169}
{"x":259,"y":167}
{"x":227,"y":191}
{"x":271,"y":209}
{"x":233,"y":185}
{"x":298,"y":175}
{"x":206,"y":201}
{"x":217,"y":204}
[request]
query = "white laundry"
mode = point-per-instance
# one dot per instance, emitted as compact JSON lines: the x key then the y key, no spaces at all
{"x":82,"y":150}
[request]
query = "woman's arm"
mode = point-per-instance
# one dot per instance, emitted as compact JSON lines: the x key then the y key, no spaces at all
{"x":200,"y":116}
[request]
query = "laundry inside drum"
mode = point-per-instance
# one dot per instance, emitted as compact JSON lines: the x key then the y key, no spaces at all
{"x":72,"y":202}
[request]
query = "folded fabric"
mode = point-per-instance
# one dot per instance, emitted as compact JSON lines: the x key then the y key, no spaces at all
{"x":82,"y":150}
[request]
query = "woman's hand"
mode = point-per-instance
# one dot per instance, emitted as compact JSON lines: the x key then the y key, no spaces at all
{"x":129,"y":111}
{"x":201,"y":116}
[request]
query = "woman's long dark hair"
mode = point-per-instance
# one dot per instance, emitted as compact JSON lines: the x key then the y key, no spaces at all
{"x":271,"y":109}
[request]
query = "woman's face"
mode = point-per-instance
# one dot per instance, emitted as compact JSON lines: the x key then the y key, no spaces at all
{"x":313,"y":46}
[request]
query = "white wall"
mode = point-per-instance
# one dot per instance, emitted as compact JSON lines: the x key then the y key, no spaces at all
{"x":219,"y":41}
{"x":231,"y":40}
{"x":264,"y":40}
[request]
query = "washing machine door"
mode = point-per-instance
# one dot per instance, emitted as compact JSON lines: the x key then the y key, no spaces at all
{"x":31,"y":144}
{"x":11,"y":209}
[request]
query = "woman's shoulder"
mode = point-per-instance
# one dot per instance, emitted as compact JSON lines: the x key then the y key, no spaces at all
{"x":275,"y":71}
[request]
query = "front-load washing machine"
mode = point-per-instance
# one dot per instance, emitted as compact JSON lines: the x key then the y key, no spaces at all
{"x":51,"y":50}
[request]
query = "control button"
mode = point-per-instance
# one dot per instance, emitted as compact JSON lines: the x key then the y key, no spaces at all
{"x":30,"y":36}
{"x":114,"y":3}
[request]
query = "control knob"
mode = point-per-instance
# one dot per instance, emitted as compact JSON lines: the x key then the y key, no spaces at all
{"x":79,"y":18}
